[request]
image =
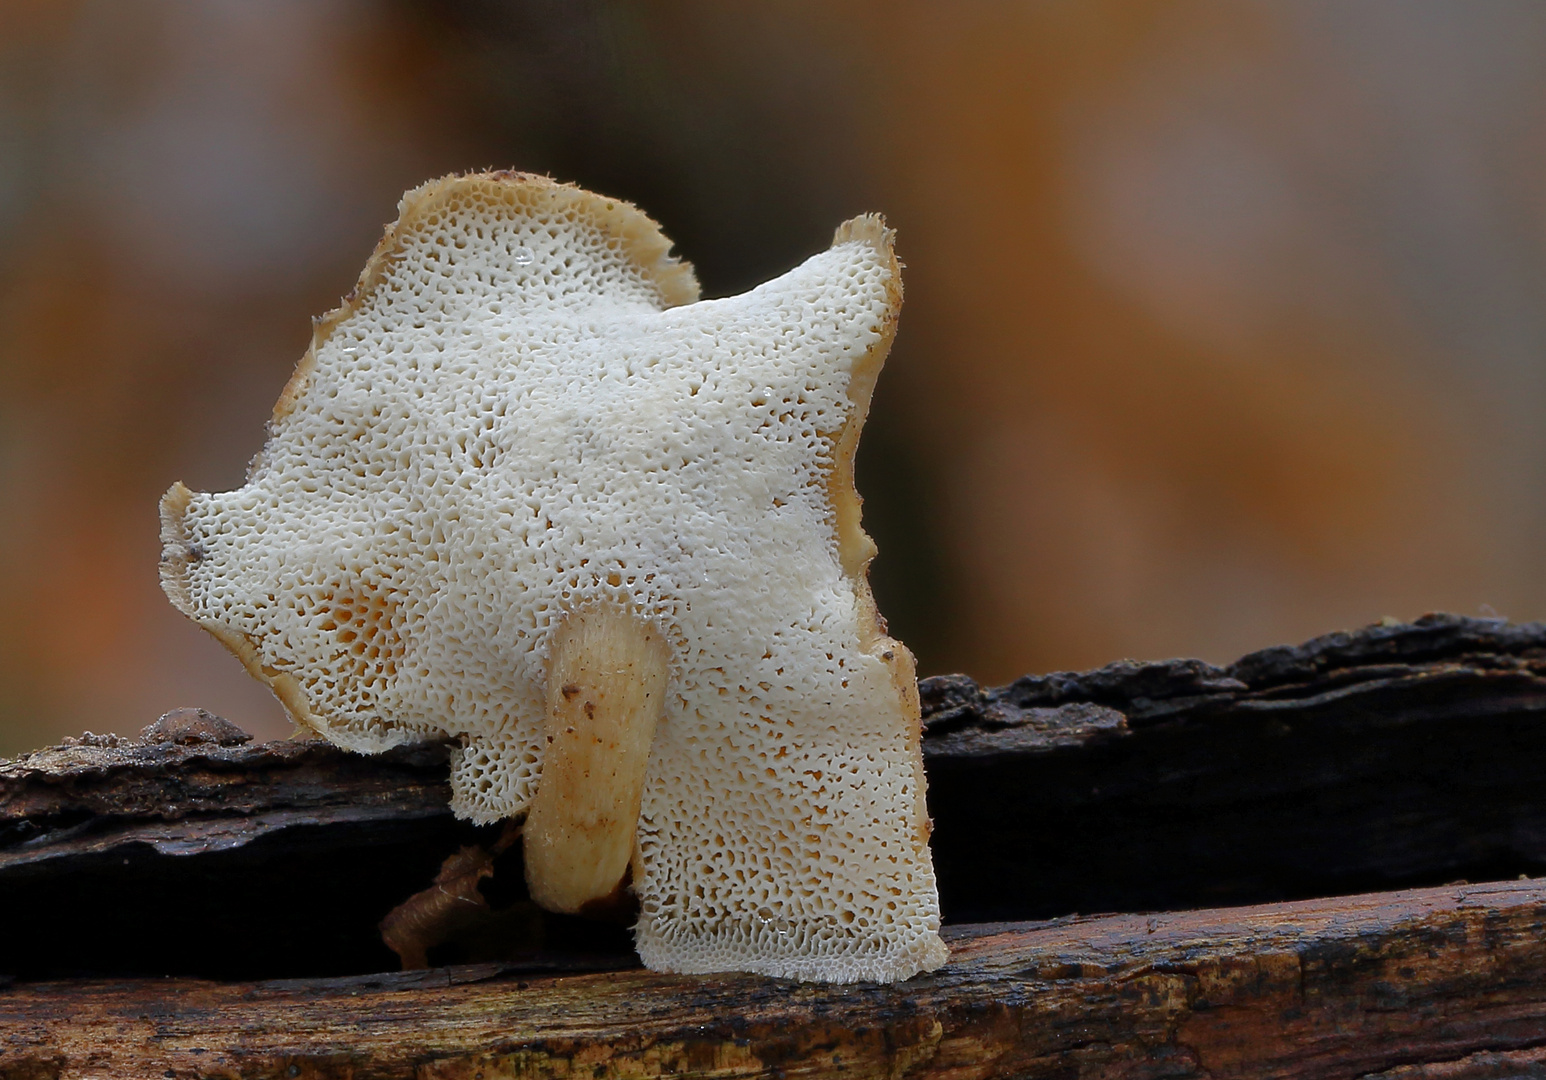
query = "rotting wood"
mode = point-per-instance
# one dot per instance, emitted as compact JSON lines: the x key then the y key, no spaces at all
{"x":1390,"y":757}
{"x":1393,"y":756}
{"x":127,"y":857}
{"x":1387,"y":755}
{"x":1418,"y":985}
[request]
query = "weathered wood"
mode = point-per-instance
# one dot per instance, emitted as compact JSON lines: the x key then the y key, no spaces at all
{"x":1390,"y":757}
{"x":1395,"y":756}
{"x":1446,"y":982}
{"x":111,"y":851}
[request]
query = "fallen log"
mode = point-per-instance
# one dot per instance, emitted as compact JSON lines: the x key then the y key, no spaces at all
{"x":133,"y":871}
{"x":1395,"y":756}
{"x":1447,"y":982}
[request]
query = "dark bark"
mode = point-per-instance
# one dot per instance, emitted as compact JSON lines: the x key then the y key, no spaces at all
{"x":221,"y":861}
{"x":1392,"y":757}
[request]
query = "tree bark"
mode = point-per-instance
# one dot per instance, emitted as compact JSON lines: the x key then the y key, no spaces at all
{"x":1392,"y":757}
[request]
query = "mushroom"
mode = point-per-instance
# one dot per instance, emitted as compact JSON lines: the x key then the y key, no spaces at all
{"x":527,"y":490}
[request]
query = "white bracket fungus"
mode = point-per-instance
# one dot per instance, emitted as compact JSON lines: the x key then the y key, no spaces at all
{"x":527,"y":490}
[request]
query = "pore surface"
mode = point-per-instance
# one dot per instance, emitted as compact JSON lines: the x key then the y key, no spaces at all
{"x":508,"y":423}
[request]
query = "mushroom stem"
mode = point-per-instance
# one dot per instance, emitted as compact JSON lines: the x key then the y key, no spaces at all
{"x":606,"y":692}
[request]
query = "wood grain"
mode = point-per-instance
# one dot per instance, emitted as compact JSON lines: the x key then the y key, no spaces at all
{"x":1446,"y":982}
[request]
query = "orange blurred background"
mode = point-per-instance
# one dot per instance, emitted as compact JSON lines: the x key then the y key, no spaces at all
{"x":1224,"y":321}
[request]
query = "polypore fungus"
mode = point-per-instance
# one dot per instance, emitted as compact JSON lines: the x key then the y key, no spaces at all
{"x":527,"y":490}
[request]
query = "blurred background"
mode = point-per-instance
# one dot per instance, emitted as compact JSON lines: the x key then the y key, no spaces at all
{"x":1225,"y":322}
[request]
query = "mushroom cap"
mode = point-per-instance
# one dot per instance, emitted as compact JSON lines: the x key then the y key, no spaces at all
{"x":521,"y":411}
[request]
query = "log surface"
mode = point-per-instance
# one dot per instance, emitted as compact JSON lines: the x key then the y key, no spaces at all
{"x":1394,"y":756}
{"x":135,"y":871}
{"x":1391,"y":757}
{"x":1447,"y":982}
